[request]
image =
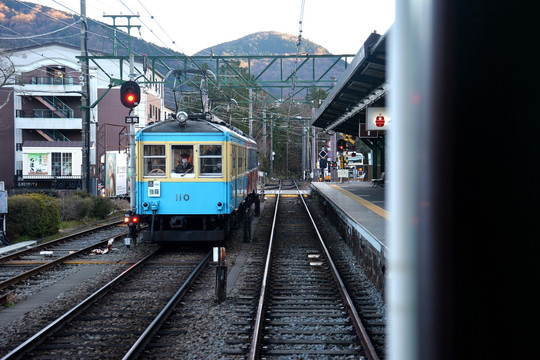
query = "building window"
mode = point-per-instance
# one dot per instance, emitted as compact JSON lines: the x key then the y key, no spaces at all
{"x":61,"y":164}
{"x":67,"y":164}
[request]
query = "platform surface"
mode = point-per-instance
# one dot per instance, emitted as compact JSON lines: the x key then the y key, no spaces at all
{"x":5,"y":250}
{"x":362,"y":204}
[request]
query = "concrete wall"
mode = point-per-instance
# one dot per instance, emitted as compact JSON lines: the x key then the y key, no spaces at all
{"x":372,"y":260}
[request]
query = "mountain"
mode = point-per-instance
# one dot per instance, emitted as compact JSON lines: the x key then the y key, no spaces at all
{"x":19,"y":21}
{"x":265,"y":43}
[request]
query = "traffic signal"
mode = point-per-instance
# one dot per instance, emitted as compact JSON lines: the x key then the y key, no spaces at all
{"x":130,"y":94}
{"x":341,"y":145}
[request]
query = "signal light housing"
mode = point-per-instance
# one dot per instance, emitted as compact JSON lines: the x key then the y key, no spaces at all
{"x":341,"y":145}
{"x":130,"y":94}
{"x":130,"y":218}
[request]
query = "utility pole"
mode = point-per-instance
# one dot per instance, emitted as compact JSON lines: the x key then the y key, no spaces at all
{"x":271,"y":145}
{"x":250,"y":112}
{"x":132,"y":164}
{"x":313,"y":143}
{"x":304,"y":148}
{"x":132,"y":190}
{"x":128,"y":26}
{"x":264,"y":131}
{"x":85,"y":103}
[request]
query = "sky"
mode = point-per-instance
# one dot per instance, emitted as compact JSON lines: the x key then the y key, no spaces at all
{"x":188,"y":26}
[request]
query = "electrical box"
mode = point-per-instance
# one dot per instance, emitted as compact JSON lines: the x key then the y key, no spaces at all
{"x":3,"y":199}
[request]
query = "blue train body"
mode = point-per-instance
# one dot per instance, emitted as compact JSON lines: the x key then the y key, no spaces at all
{"x":194,"y":180}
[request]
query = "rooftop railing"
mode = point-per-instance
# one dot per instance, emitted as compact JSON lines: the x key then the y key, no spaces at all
{"x":48,"y":80}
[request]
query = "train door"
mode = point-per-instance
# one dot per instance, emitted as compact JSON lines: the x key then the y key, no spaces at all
{"x":234,"y":176}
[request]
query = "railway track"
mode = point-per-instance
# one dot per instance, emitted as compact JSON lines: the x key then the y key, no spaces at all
{"x":25,"y":263}
{"x":118,"y":320}
{"x":294,"y":306}
{"x":304,"y":308}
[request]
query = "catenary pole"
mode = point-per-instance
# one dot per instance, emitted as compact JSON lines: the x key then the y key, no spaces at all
{"x":85,"y":103}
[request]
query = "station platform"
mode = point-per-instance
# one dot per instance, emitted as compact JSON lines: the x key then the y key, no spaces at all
{"x":361,"y":206}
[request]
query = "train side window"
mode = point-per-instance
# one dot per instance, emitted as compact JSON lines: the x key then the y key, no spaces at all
{"x":233,"y":160}
{"x":241,"y":156}
{"x":252,"y":159}
{"x":210,"y":158}
{"x":182,"y":161}
{"x":154,"y":160}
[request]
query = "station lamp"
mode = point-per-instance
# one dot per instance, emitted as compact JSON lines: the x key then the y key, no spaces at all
{"x":130,"y":94}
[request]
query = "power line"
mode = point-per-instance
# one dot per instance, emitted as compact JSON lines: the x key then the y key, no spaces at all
{"x":39,"y":35}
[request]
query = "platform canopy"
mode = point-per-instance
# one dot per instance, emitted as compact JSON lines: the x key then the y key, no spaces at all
{"x":362,"y":85}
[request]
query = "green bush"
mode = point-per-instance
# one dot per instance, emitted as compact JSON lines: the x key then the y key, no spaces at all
{"x":79,"y":206}
{"x":73,"y":207}
{"x":33,"y":215}
{"x":101,"y":207}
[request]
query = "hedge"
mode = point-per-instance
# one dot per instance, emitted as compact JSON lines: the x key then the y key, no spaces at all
{"x":32,"y":215}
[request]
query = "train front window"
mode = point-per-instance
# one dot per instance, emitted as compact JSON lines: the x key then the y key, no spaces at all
{"x":210,"y":157}
{"x":154,"y":160}
{"x":182,"y":161}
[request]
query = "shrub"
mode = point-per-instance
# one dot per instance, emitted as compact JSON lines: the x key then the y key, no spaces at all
{"x":79,"y":206}
{"x":74,"y":207}
{"x":101,"y":207}
{"x":34,"y":215}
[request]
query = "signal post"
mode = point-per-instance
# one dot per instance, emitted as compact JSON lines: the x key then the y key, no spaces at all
{"x":130,"y":96}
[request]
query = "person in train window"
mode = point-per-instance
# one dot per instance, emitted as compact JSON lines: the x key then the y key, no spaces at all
{"x":185,"y":166}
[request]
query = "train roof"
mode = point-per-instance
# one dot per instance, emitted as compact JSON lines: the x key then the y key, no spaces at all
{"x":173,"y":126}
{"x":197,"y":123}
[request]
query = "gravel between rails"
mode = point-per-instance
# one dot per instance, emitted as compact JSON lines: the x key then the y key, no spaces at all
{"x":204,"y":322}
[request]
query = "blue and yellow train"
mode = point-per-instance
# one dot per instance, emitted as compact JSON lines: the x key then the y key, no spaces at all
{"x":196,"y":177}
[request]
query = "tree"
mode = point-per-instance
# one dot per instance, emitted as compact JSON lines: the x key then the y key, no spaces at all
{"x":316,"y":96}
{"x":7,"y":74}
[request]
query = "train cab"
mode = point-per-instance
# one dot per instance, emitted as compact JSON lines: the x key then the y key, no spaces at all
{"x":193,"y":179}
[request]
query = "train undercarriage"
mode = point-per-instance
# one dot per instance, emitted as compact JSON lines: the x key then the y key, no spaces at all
{"x":208,"y":229}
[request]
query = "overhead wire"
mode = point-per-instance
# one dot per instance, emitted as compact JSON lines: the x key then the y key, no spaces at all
{"x":195,"y":65}
{"x":62,"y":55}
{"x":235,"y":93}
{"x":40,"y":35}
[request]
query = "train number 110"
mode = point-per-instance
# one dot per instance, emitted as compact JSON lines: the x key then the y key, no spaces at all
{"x":180,"y":197}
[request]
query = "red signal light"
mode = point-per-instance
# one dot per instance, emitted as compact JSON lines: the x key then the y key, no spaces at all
{"x":341,"y":145}
{"x":130,"y":94}
{"x":135,"y":219}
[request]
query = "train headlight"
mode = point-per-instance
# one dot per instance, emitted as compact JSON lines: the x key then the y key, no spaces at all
{"x":181,"y":116}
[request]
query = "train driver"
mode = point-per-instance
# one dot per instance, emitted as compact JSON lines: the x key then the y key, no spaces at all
{"x":185,"y":166}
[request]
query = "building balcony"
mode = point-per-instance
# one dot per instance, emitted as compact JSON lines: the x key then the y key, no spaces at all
{"x":48,"y":80}
{"x":67,"y":85}
{"x":45,"y":119}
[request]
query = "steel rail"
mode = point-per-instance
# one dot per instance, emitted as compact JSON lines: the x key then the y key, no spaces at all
{"x":6,"y":283}
{"x":153,"y":328}
{"x":357,"y":322}
{"x":257,"y":329}
{"x":28,"y":345}
{"x":5,"y":258}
